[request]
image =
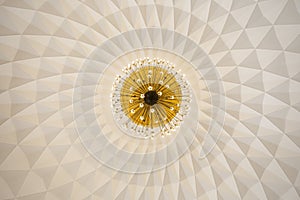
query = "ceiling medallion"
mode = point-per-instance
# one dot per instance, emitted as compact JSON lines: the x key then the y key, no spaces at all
{"x":150,"y":99}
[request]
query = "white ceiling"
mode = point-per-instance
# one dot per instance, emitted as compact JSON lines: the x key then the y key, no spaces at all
{"x":246,"y":54}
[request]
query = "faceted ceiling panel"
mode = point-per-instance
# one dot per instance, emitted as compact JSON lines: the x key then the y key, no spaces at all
{"x":61,"y":136}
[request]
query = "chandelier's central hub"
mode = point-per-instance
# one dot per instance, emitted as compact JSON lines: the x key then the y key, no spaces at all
{"x":151,"y":98}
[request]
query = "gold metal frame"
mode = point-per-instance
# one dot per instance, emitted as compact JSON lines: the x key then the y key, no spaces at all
{"x":151,"y":78}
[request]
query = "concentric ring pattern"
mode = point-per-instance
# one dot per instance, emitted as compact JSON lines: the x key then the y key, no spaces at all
{"x":246,"y":86}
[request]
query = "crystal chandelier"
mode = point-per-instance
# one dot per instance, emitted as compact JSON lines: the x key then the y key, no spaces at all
{"x":150,"y":98}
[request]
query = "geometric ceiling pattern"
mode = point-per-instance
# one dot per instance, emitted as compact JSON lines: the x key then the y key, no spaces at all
{"x":253,"y":45}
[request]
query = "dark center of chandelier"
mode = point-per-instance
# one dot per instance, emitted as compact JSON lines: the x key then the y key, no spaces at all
{"x":151,"y":98}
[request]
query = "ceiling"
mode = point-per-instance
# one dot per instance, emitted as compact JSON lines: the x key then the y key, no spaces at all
{"x":58,"y":139}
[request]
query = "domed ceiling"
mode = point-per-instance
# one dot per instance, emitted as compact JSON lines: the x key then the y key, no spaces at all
{"x":76,"y":123}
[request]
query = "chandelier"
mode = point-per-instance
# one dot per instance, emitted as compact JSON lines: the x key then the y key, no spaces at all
{"x":150,"y":98}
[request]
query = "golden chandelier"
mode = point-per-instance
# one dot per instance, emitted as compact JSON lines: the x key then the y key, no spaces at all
{"x":150,"y":98}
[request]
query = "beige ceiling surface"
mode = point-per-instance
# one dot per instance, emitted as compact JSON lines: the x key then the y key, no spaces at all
{"x":254,"y":48}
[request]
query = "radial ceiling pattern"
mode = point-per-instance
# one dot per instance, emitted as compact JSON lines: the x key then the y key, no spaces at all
{"x":245,"y":55}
